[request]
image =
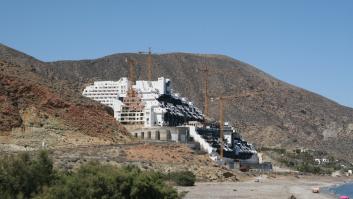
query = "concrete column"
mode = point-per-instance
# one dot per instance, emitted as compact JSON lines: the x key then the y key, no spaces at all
{"x":155,"y":135}
{"x":165,"y":135}
{"x":142,"y":135}
{"x":148,"y":135}
{"x":175,"y":136}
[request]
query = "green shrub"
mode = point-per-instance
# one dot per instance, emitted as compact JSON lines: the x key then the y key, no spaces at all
{"x":102,"y":181}
{"x":309,"y":168}
{"x":182,"y":178}
{"x":22,"y":177}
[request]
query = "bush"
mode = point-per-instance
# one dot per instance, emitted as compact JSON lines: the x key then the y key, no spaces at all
{"x":22,"y":177}
{"x":101,"y":181}
{"x":182,"y":178}
{"x":309,"y":168}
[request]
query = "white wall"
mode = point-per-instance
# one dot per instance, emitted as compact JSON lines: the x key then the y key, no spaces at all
{"x":197,"y":137}
{"x":106,"y":91}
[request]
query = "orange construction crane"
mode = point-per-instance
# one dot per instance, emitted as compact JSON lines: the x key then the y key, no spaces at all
{"x":149,"y":63}
{"x":205,"y":82}
{"x":221,"y":101}
{"x":132,"y":101}
{"x":132,"y":70}
{"x":132,"y":76}
{"x":206,"y":73}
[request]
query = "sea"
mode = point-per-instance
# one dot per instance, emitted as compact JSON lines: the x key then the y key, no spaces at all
{"x":342,"y":190}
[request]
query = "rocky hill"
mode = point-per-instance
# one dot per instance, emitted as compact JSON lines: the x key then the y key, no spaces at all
{"x":282,"y":116}
{"x":35,"y":111}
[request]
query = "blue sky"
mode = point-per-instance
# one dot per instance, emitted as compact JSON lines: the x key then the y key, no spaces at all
{"x":306,"y":43}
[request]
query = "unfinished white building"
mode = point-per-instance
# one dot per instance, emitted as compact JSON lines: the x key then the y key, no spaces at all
{"x":150,"y":103}
{"x":106,"y":92}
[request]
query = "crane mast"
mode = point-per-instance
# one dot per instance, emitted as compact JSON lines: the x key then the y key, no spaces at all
{"x":221,"y":125}
{"x":221,"y":101}
{"x":206,"y":74}
{"x":132,"y":70}
{"x":149,"y":65}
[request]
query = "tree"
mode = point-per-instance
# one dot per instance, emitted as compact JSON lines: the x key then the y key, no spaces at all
{"x":22,"y":177}
{"x":102,"y":181}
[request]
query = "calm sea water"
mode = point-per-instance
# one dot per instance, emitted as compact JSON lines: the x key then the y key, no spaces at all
{"x":343,"y":190}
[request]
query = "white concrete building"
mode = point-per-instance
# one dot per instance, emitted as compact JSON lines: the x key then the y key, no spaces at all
{"x":106,"y":92}
{"x":161,"y":107}
{"x":161,"y":86}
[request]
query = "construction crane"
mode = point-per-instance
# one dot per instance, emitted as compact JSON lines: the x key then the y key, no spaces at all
{"x":205,"y":82}
{"x":206,"y":73}
{"x":132,"y":69}
{"x":131,"y":76}
{"x":132,"y":101}
{"x":149,"y":63}
{"x":221,"y":102}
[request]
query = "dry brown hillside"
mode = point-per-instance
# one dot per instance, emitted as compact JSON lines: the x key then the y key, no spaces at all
{"x":284,"y":116}
{"x":34,"y":110}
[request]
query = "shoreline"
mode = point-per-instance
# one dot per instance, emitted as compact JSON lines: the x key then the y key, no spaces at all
{"x":280,"y":187}
{"x":326,"y":189}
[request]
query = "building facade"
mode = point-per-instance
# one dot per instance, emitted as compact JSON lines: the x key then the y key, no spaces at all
{"x":106,"y":92}
{"x":149,"y":103}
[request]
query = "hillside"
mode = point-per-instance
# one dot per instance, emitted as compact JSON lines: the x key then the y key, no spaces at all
{"x":34,"y":110}
{"x":283,"y":116}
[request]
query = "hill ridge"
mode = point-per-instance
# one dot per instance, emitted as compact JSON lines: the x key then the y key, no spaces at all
{"x":285,"y":116}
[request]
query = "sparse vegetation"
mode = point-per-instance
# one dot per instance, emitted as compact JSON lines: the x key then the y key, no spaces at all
{"x":304,"y":161}
{"x":25,"y":177}
{"x":182,"y":178}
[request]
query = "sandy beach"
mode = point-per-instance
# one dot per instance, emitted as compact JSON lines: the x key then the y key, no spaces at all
{"x":267,"y":188}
